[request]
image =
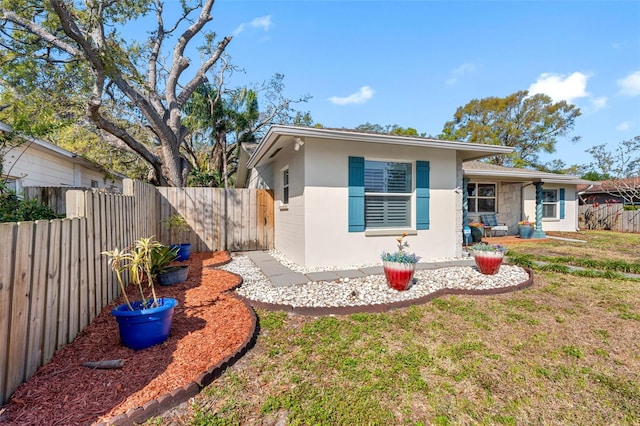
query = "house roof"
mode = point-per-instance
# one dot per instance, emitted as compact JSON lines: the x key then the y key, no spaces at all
{"x":613,"y":185}
{"x":246,"y":151}
{"x":40,"y":145}
{"x":280,"y":136}
{"x":478,"y":169}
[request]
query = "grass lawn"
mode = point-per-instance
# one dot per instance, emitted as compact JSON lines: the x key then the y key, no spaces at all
{"x":565,"y":351}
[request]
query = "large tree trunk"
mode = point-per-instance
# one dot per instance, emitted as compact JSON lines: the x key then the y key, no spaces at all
{"x":82,"y":36}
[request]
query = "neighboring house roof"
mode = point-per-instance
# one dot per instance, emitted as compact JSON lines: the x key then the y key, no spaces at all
{"x":478,"y":169}
{"x":55,"y":150}
{"x":246,"y":151}
{"x":609,"y":186}
{"x":279,"y":136}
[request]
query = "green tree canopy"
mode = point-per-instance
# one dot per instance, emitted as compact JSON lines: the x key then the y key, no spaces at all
{"x":132,"y":94}
{"x":530,"y":124}
{"x":221,"y":118}
{"x":622,"y":162}
{"x":392,"y":129}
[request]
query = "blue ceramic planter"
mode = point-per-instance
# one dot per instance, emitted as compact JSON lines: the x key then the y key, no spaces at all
{"x":184,"y":251}
{"x":142,"y":328}
{"x":525,"y":232}
{"x":476,"y":234}
{"x":173,"y":275}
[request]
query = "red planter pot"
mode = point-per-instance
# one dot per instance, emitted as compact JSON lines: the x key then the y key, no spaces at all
{"x":399,"y":275}
{"x":488,"y":262}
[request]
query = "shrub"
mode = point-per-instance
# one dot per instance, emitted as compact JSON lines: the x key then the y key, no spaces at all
{"x":15,"y":209}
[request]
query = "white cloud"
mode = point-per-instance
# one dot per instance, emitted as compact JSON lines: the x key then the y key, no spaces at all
{"x":262,"y":22}
{"x":625,"y":125}
{"x":361,"y":96}
{"x":561,"y":87}
{"x":464,"y":69}
{"x":599,"y":103}
{"x":630,"y":85}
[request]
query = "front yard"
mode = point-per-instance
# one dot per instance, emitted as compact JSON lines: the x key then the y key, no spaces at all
{"x":565,"y":351}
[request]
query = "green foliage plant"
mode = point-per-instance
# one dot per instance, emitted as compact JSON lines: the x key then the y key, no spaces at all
{"x":16,"y":209}
{"x":140,"y":260}
{"x":400,"y":256}
{"x":526,"y":223}
{"x":491,"y":248}
{"x":119,"y":262}
{"x":161,"y":258}
{"x":176,"y":222}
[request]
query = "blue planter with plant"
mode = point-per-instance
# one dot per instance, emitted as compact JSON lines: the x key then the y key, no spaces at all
{"x":525,"y":229}
{"x":141,"y":327}
{"x":184,"y":251}
{"x":477,"y":231}
{"x":177,"y":226}
{"x":145,"y":322}
{"x":173,"y":275}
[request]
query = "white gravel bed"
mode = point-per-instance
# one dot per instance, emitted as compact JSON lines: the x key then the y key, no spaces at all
{"x":367,"y":290}
{"x":303,"y":270}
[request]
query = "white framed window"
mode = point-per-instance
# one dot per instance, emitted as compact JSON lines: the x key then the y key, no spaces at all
{"x":482,"y":197}
{"x":285,"y":186}
{"x":550,"y":203}
{"x":387,"y":194}
{"x":94,"y":183}
{"x":13,"y":184}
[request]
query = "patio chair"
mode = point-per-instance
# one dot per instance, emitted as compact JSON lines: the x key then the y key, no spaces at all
{"x":492,"y":226}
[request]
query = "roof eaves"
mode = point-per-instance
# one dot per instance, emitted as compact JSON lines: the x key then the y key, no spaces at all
{"x":277,"y":131}
{"x":530,"y":175}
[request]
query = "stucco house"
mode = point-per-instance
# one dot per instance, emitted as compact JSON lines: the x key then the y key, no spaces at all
{"x":513,"y":194}
{"x":34,"y":162}
{"x":341,"y":197}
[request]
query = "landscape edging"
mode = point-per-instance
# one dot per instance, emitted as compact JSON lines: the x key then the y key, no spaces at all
{"x":178,"y":396}
{"x":182,"y":394}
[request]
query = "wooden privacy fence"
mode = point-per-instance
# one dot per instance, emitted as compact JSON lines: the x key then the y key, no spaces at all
{"x":609,"y":217}
{"x":54,"y":280}
{"x":218,"y":218}
{"x":54,"y":196}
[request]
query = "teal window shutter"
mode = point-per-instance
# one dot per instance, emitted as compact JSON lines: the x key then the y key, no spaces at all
{"x":561,"y":203}
{"x":422,"y":194}
{"x":356,"y":194}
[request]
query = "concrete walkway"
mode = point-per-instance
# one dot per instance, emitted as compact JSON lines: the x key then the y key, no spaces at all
{"x":281,"y":276}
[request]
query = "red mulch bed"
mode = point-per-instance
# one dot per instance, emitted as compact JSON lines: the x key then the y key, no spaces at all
{"x":208,"y":326}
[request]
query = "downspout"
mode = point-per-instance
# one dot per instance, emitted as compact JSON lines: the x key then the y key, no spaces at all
{"x":522,"y":199}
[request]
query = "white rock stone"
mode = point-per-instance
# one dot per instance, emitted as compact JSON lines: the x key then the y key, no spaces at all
{"x":371,"y":289}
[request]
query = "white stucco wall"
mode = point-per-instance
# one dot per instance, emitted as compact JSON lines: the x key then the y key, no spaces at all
{"x":570,"y":221}
{"x":327,"y":241}
{"x":289,"y":220}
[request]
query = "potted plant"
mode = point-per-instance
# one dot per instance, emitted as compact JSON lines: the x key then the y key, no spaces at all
{"x":477,"y":231}
{"x":526,"y":228}
{"x":176,"y":223}
{"x":399,"y":266}
{"x":161,"y":269}
{"x":488,"y":257}
{"x":145,"y":322}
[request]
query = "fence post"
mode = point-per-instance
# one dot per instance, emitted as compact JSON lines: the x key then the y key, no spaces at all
{"x":75,"y":204}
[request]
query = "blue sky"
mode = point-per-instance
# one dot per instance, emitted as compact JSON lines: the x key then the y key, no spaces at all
{"x":412,"y":63}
